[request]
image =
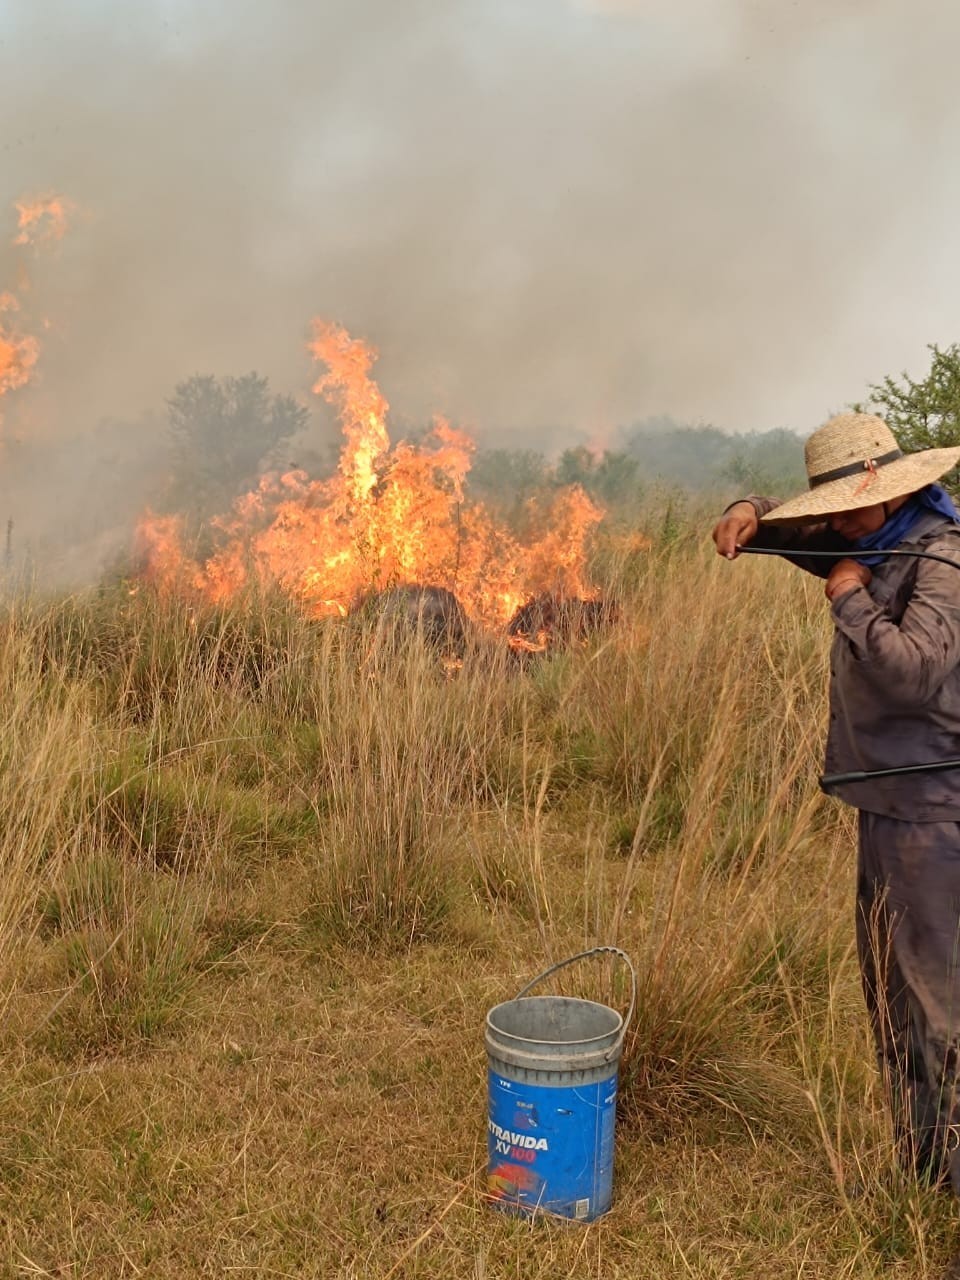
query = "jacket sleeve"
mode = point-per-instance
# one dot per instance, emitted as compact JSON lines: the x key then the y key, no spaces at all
{"x":909,"y":660}
{"x":793,"y":540}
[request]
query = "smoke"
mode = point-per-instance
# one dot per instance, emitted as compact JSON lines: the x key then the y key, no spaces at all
{"x":552,"y":217}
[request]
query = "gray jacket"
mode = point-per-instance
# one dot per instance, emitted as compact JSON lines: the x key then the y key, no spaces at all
{"x":894,"y":668}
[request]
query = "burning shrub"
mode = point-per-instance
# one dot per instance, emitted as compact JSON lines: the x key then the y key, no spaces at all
{"x":553,"y":621}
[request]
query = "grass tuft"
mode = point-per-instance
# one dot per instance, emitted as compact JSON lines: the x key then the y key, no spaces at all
{"x":126,"y":952}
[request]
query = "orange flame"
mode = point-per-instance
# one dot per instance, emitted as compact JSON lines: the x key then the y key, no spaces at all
{"x":363,"y":409}
{"x":42,"y":219}
{"x":392,"y":515}
{"x":18,"y":352}
{"x":38,"y":221}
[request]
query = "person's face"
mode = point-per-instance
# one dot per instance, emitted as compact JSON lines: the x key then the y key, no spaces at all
{"x":857,"y":524}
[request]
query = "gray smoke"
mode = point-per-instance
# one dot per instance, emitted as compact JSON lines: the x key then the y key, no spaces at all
{"x":553,"y":217}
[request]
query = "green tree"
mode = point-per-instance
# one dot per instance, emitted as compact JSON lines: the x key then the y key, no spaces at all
{"x":611,"y":478}
{"x":224,"y":433}
{"x":575,"y":466}
{"x":704,"y":459}
{"x":504,"y":480}
{"x":769,"y":462}
{"x":923,"y":414}
{"x":517,"y":470}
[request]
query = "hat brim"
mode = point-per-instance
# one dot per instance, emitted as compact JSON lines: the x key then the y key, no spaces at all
{"x":866,"y":489}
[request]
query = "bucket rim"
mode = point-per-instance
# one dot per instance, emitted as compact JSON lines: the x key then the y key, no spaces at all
{"x":615,"y":1032}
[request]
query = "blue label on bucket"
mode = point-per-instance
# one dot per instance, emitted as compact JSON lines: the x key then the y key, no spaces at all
{"x":551,"y":1148}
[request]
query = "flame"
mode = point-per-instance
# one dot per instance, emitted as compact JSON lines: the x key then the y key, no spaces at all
{"x":18,"y":352}
{"x":538,"y":643}
{"x":363,"y":409}
{"x":393,"y":514}
{"x":42,"y":219}
{"x":38,"y":221}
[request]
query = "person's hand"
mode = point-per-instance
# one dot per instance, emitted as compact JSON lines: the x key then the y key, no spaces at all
{"x":844,"y":576}
{"x":736,"y":527}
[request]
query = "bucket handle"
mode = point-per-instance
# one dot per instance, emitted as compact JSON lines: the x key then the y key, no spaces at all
{"x":585,"y":955}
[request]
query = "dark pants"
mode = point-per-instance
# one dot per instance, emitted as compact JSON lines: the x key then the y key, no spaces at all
{"x":908,"y":937}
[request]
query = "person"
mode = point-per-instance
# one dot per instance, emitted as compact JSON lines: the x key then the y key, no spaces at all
{"x":894,"y":700}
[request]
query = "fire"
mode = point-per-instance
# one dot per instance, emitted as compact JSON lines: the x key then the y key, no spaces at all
{"x":18,"y":352}
{"x":363,"y":409}
{"x":392,"y":515}
{"x":42,"y":219}
{"x":38,"y":221}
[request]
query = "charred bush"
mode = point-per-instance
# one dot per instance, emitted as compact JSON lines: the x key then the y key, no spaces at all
{"x":431,"y":615}
{"x":549,"y":622}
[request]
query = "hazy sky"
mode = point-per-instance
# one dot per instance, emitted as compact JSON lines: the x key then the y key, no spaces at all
{"x":544,"y":213}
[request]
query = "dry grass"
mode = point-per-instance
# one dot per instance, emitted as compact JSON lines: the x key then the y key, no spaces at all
{"x":260,"y":888}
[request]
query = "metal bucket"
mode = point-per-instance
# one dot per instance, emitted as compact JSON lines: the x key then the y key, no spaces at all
{"x":552,"y":1065}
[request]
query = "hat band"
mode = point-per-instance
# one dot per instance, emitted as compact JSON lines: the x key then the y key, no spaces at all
{"x":855,"y":468}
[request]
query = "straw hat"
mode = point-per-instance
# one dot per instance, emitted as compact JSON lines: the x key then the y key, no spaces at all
{"x":854,"y":461}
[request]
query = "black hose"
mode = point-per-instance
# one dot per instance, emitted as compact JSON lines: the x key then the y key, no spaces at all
{"x":866,"y":775}
{"x":844,"y":555}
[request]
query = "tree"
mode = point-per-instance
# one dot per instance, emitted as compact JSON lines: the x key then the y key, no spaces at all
{"x":924,"y":414}
{"x":765,"y":462}
{"x":705,"y":459}
{"x":611,"y":478}
{"x":224,"y":433}
{"x":504,"y":480}
{"x":517,"y":470}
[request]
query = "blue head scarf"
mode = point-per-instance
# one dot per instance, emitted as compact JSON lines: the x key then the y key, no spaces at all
{"x":893,"y":531}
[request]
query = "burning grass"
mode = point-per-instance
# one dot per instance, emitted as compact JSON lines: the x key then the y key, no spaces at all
{"x":394,"y":516}
{"x":260,"y":891}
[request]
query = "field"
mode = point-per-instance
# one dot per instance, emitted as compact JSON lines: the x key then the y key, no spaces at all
{"x":262,"y":879}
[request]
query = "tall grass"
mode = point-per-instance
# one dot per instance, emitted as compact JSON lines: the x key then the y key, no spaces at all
{"x":198,"y":803}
